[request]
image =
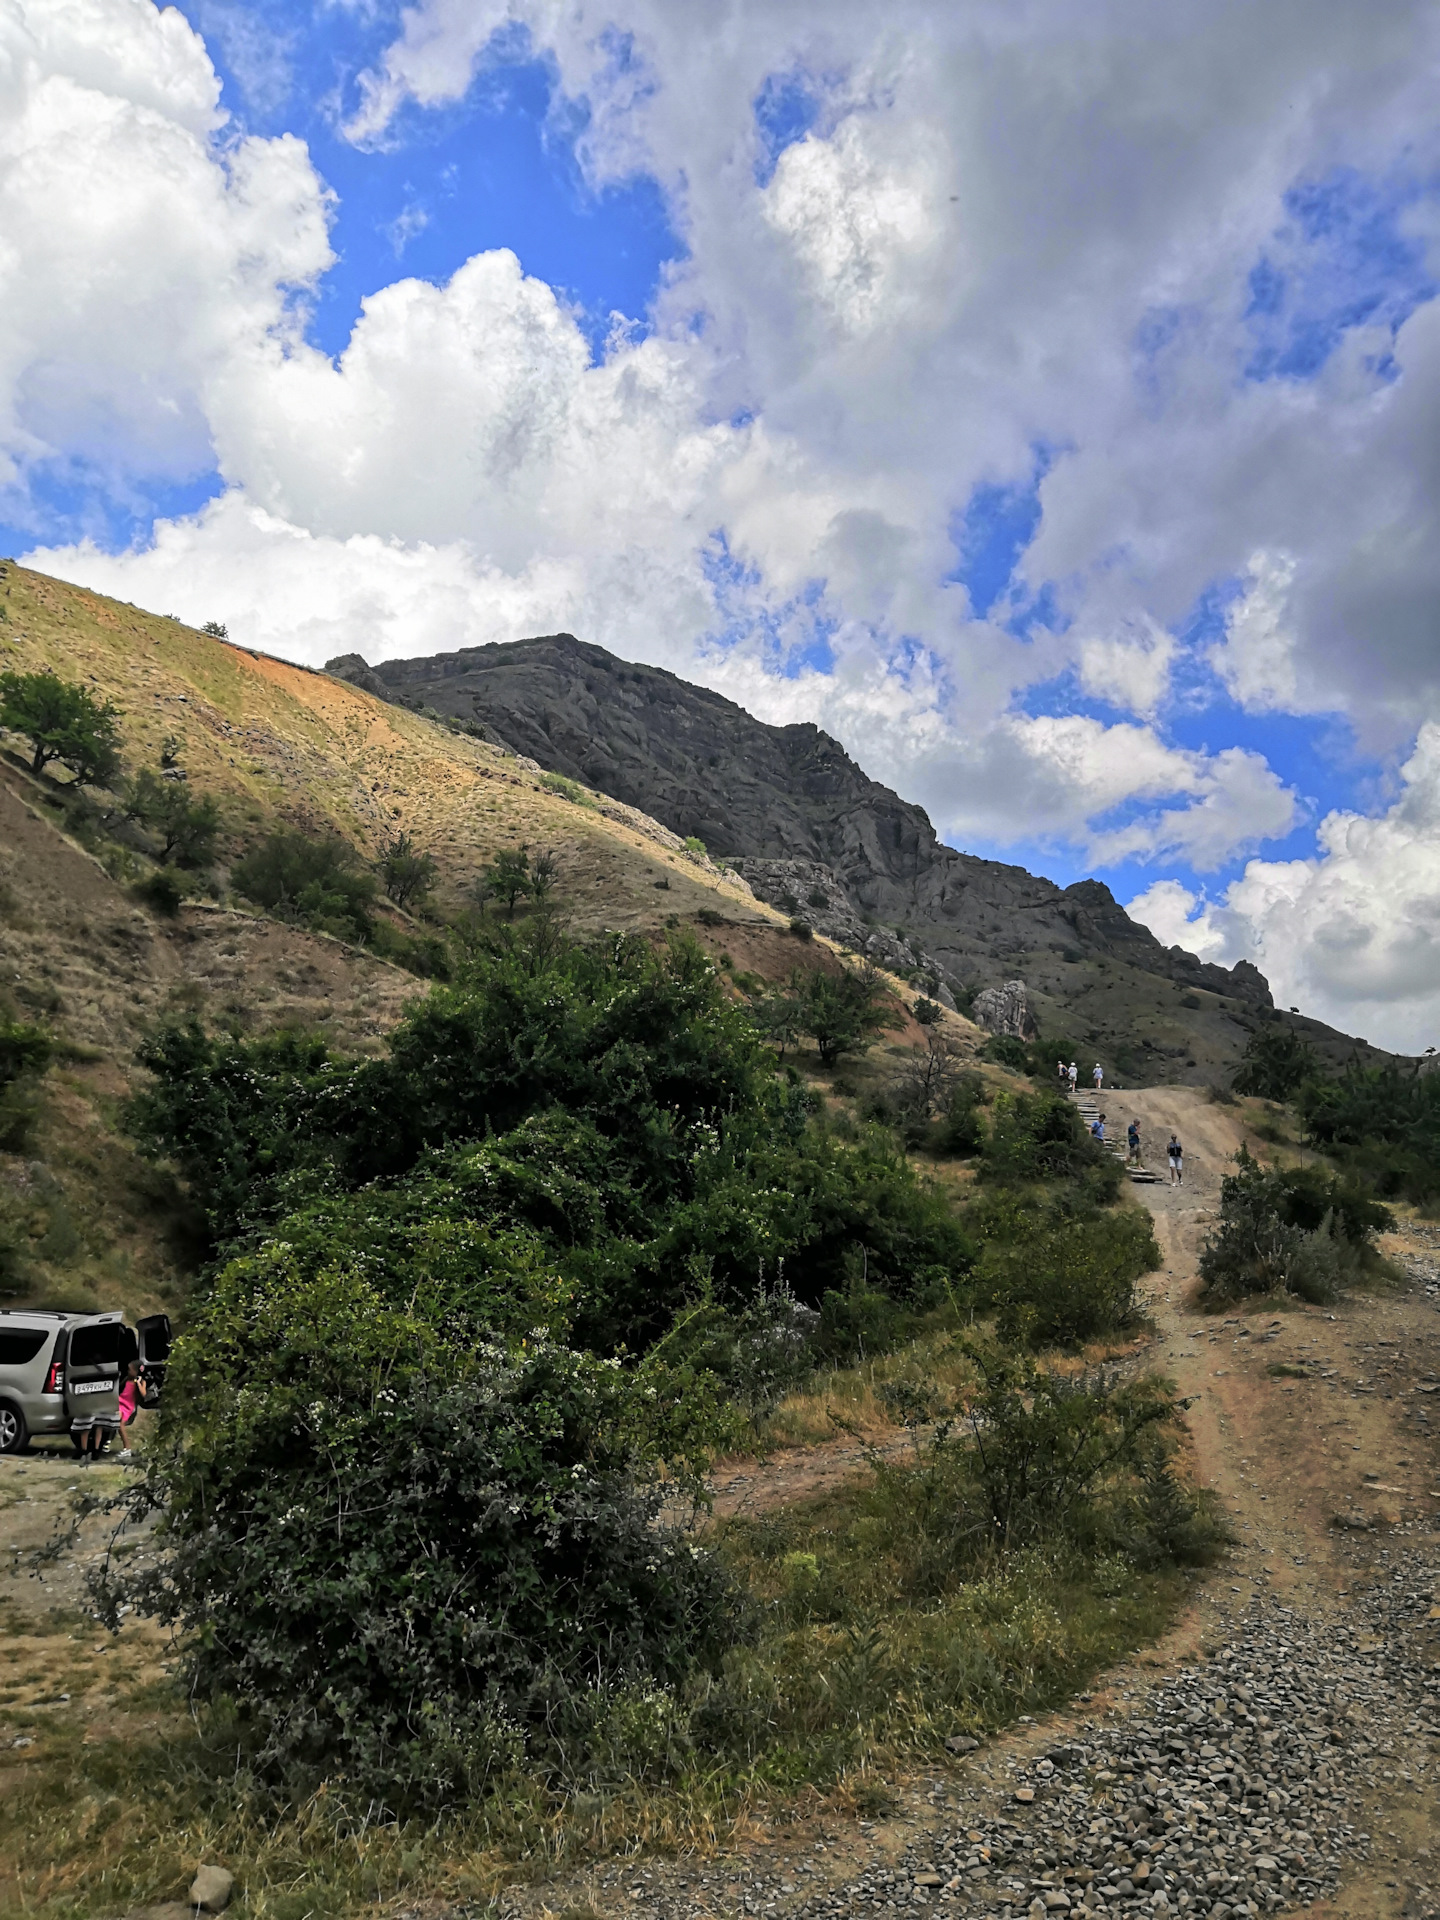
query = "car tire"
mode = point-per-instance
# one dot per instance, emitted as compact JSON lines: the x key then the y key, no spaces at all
{"x":14,"y":1434}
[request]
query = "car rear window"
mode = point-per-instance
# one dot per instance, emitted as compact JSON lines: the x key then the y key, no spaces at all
{"x":19,"y":1344}
{"x":97,"y":1345}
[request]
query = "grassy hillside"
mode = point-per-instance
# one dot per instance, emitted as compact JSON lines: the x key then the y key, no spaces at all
{"x":275,"y":740}
{"x":82,"y":956}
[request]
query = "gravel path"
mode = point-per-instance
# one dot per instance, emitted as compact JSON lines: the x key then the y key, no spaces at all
{"x":1234,"y":1787}
{"x":1279,"y":1751}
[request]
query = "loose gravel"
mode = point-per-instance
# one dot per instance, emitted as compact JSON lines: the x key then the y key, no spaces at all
{"x":1233,"y":1787}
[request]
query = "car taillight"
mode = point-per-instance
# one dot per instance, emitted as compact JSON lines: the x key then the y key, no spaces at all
{"x":55,"y":1379}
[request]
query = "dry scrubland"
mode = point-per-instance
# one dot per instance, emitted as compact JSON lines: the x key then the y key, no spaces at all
{"x":1313,"y":1426}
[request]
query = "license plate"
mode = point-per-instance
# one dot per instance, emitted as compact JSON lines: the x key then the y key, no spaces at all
{"x":93,"y":1386}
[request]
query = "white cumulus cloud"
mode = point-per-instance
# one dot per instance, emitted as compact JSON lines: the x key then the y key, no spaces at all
{"x":1003,"y":240}
{"x":1352,"y":934}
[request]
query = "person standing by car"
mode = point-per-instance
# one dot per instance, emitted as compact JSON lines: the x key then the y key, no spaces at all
{"x":134,"y":1393}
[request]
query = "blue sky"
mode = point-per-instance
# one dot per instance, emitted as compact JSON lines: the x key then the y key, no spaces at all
{"x":1057,"y":435}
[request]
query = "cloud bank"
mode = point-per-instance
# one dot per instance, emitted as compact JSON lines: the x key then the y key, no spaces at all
{"x":1164,"y":283}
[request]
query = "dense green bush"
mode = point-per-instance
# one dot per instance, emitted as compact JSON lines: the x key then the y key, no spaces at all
{"x":312,"y":878}
{"x":1045,"y":1448}
{"x":842,"y":1012}
{"x":1007,"y":1051}
{"x":616,"y":1102}
{"x":409,"y":1556}
{"x":186,"y":826}
{"x":1040,"y":1136}
{"x":1289,"y":1230}
{"x":1276,"y":1062}
{"x":1383,"y":1123}
{"x":25,"y":1053}
{"x":962,"y":1127}
{"x":1071,"y":1282}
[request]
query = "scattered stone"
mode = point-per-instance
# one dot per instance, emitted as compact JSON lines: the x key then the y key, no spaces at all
{"x":1231,"y":1789}
{"x":211,"y":1889}
{"x":962,"y":1743}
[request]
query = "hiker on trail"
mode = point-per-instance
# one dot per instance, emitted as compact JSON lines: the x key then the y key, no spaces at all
{"x":1074,"y":1076}
{"x":1132,"y":1140}
{"x":1097,"y":1132}
{"x":1175,"y":1154}
{"x":1098,"y":1075}
{"x":1061,"y":1074}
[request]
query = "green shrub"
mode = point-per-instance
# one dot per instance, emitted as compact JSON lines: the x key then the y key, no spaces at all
{"x":962,"y":1129}
{"x":164,"y":890}
{"x":1276,"y":1062}
{"x":425,"y":954}
{"x":407,"y":874}
{"x":1040,"y":1136}
{"x":1071,"y":1283}
{"x":409,"y":1560}
{"x":14,"y":1242}
{"x":1289,"y":1230}
{"x":25,"y":1052}
{"x":1006,"y":1051}
{"x":802,"y":930}
{"x":845,"y":1012}
{"x":568,"y":789}
{"x":19,"y":1112}
{"x":314,"y":879}
{"x":1045,"y":1448}
{"x":507,"y":878}
{"x":186,"y":827}
{"x":62,"y":721}
{"x":1383,"y":1123}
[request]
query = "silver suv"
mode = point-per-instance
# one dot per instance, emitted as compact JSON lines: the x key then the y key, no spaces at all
{"x":55,"y":1367}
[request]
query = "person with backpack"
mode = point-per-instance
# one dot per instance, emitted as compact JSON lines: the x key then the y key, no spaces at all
{"x":1175,"y":1154}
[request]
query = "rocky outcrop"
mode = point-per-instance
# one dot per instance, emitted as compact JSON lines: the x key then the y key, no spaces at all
{"x":810,"y":891}
{"x":789,"y":808}
{"x":1005,"y":1010}
{"x":354,"y":668}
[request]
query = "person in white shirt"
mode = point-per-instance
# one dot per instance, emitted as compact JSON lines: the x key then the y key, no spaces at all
{"x":1074,"y":1076}
{"x":1098,"y":1076}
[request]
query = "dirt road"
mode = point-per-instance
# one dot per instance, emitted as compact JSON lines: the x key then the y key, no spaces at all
{"x":1290,"y":1722}
{"x":1317,"y":1428}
